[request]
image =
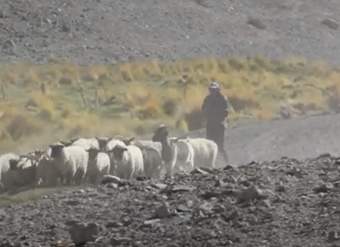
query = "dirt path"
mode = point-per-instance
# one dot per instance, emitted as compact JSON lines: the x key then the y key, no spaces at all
{"x":296,"y":138}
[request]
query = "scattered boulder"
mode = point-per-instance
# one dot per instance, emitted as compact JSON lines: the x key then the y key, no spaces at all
{"x":182,"y":188}
{"x":199,"y":171}
{"x":110,"y":179}
{"x":107,"y":179}
{"x":257,"y":23}
{"x":81,"y":233}
{"x":159,"y":186}
{"x":117,"y":241}
{"x":163,"y":211}
{"x":113,"y":224}
{"x":330,"y":23}
{"x":333,"y":236}
{"x":249,"y":194}
{"x":323,"y":188}
{"x":151,"y":222}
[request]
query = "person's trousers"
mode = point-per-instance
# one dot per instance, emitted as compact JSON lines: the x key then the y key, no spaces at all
{"x":215,"y":132}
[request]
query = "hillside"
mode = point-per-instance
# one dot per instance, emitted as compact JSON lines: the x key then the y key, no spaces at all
{"x":104,"y":31}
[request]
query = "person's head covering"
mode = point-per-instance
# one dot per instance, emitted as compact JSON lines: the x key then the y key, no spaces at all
{"x":214,"y":86}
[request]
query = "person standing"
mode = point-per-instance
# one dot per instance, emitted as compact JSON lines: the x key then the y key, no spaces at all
{"x":215,"y":109}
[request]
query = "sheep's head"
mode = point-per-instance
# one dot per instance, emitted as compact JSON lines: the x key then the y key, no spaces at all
{"x":161,"y":134}
{"x":56,"y":150}
{"x":13,"y":164}
{"x":93,"y":152}
{"x":118,"y":151}
{"x":128,"y":141}
{"x":103,"y":141}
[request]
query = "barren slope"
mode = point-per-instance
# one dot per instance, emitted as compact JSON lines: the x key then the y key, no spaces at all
{"x":296,"y":205}
{"x":89,"y":31}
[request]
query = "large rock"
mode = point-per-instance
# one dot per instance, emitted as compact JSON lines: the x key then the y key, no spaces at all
{"x":81,"y":233}
{"x":250,"y":194}
{"x":107,"y":179}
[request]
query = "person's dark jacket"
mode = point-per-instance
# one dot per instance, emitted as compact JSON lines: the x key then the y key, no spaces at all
{"x":215,"y":108}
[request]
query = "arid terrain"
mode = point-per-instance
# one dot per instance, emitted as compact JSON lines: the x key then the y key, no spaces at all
{"x":280,"y":203}
{"x":91,"y":31}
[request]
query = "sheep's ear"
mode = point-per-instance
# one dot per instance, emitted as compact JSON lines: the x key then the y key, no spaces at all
{"x":128,"y":141}
{"x":131,"y":139}
{"x":65,"y":143}
{"x":74,"y":139}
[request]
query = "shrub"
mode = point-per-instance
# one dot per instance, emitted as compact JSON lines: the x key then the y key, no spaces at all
{"x":170,"y":107}
{"x":64,"y":81}
{"x":240,"y":104}
{"x":333,"y":100}
{"x":21,"y":126}
{"x":195,"y":119}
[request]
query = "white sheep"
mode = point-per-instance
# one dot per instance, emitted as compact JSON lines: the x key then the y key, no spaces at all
{"x":98,"y":165}
{"x":205,"y":152}
{"x":4,"y":167}
{"x":108,"y":144}
{"x":71,"y":162}
{"x":86,"y":143}
{"x":128,"y":160}
{"x":185,"y":152}
{"x":185,"y":155}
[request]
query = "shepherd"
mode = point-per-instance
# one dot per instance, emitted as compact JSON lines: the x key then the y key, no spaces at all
{"x":215,"y":109}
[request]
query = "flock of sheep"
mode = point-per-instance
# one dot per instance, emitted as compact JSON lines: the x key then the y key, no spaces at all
{"x":87,"y":160}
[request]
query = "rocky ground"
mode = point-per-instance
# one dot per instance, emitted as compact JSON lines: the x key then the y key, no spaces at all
{"x":92,"y":31}
{"x":281,"y":203}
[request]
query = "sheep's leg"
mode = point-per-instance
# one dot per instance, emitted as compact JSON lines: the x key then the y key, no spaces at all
{"x":68,"y":179}
{"x":169,"y":166}
{"x":79,"y":177}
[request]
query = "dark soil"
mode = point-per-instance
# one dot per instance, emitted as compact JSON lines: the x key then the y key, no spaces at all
{"x":281,"y":203}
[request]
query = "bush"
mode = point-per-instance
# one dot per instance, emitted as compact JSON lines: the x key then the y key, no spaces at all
{"x":195,"y":119}
{"x":240,"y":104}
{"x":170,"y":107}
{"x":21,"y":126}
{"x":333,"y":100}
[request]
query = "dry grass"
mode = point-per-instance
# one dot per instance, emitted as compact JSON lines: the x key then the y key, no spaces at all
{"x":63,"y":100}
